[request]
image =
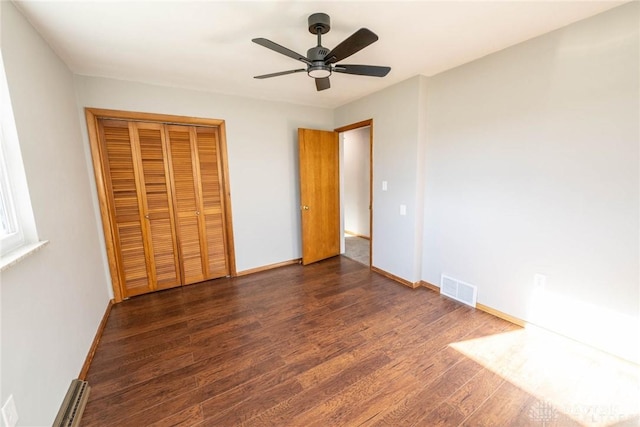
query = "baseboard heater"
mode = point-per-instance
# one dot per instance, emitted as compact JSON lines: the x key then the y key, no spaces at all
{"x":73,"y":404}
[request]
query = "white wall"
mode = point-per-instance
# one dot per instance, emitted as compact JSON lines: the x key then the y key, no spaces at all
{"x":532,"y":167}
{"x":52,"y":301}
{"x":396,"y":140}
{"x":262,"y":148}
{"x":356,"y":181}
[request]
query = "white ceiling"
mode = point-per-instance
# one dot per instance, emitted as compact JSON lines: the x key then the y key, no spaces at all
{"x":206,"y":45}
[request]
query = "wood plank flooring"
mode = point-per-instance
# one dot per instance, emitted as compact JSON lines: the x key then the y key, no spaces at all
{"x":328,"y":344}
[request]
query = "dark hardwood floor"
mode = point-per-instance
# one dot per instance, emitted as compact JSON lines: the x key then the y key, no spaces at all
{"x":323,"y":345}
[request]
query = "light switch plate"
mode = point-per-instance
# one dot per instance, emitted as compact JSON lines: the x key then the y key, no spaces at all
{"x":403,"y":209}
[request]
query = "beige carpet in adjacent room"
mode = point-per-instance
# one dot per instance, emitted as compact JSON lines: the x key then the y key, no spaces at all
{"x":357,"y":248}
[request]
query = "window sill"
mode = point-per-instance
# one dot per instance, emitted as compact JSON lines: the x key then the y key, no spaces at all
{"x":20,"y":253}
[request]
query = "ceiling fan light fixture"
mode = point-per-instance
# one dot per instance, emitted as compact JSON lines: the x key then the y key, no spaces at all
{"x":319,"y":71}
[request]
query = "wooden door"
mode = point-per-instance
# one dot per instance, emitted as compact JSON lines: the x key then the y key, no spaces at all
{"x":319,"y":194}
{"x":126,"y":215}
{"x":195,"y":169}
{"x":157,"y":205}
{"x":212,"y":219}
{"x":137,"y":177}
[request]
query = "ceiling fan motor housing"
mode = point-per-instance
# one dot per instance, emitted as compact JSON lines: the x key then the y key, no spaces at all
{"x":317,"y":53}
{"x":319,"y":23}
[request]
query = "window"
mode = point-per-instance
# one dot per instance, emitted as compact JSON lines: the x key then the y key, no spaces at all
{"x":18,"y":236}
{"x":11,"y":235}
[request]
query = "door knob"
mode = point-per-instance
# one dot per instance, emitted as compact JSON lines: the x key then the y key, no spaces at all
{"x":146,"y":216}
{"x":304,"y":207}
{"x":197,"y":212}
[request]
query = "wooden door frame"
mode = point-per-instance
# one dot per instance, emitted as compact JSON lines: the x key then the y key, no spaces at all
{"x":92,"y":115}
{"x":358,"y":125}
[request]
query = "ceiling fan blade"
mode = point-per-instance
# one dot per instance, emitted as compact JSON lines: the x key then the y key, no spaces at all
{"x":281,"y":73}
{"x":352,"y":44}
{"x":323,"y":83}
{"x":281,"y":49}
{"x":362,"y":70}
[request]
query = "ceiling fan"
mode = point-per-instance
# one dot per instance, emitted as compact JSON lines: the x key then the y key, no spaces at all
{"x":321,"y":62}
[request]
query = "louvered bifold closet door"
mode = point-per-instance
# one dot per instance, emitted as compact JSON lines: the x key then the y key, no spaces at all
{"x":213,"y":226}
{"x":159,"y":224}
{"x":196,"y":183}
{"x":122,"y":185}
{"x":184,"y":166}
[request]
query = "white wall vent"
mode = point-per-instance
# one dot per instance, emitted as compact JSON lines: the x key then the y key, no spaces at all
{"x":458,"y":290}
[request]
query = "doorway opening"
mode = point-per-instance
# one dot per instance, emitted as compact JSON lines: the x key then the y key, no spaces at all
{"x":356,"y":176}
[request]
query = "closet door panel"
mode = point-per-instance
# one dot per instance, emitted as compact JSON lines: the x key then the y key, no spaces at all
{"x":212,"y":206}
{"x":158,"y":205}
{"x":191,"y":257}
{"x":185,"y":188}
{"x":126,"y":215}
{"x":136,"y":279}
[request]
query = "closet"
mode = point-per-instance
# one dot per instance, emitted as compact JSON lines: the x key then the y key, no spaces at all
{"x":163,"y":190}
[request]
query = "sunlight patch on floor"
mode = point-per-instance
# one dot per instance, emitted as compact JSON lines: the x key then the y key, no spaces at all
{"x":590,"y":386}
